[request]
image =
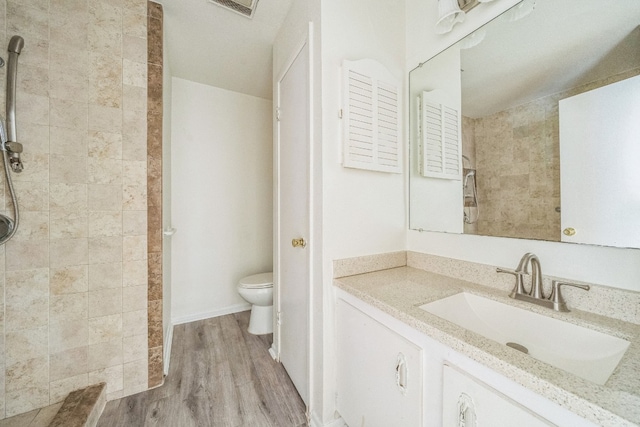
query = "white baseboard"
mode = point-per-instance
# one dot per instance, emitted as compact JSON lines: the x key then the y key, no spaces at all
{"x":209,"y":314}
{"x":273,"y":354}
{"x":315,"y":422}
{"x":168,"y":339}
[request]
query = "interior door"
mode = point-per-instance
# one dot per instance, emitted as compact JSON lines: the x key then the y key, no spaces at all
{"x":294,"y":220}
{"x":600,"y":193}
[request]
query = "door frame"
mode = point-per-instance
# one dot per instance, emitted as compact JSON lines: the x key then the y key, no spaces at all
{"x":304,"y":43}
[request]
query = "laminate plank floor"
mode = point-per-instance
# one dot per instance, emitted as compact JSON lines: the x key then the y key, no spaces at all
{"x":220,"y":375}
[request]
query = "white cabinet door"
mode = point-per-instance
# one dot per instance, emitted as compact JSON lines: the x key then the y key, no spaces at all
{"x":467,"y":402}
{"x":379,"y":372}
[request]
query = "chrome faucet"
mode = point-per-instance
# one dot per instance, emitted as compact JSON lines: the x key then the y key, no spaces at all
{"x":536,"y":293}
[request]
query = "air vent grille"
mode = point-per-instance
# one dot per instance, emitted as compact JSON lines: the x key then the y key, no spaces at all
{"x":243,"y":7}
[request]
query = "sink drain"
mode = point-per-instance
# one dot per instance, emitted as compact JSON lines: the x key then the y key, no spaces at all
{"x":518,"y":347}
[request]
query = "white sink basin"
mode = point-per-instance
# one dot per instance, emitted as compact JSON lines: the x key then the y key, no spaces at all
{"x":586,"y":353}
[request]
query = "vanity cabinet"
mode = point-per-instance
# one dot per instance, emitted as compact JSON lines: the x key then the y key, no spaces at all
{"x":469,"y":402}
{"x":379,"y":372}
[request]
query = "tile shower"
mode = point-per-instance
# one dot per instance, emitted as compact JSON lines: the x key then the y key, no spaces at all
{"x":81,"y":279}
{"x":517,"y":156}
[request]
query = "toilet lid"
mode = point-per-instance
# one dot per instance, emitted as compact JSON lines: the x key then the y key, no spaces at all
{"x":257,"y":281}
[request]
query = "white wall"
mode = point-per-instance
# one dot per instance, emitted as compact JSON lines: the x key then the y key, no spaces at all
{"x":221,"y":190}
{"x":363,"y":211}
{"x":600,"y":265}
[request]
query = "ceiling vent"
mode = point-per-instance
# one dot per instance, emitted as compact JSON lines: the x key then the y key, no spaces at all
{"x":243,"y":7}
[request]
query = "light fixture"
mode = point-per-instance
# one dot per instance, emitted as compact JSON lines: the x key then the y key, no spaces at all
{"x":449,"y":13}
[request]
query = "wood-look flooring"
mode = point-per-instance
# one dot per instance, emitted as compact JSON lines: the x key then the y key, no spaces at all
{"x":220,"y":375}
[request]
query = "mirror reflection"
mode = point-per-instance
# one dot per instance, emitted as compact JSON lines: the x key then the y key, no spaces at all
{"x":489,"y":115}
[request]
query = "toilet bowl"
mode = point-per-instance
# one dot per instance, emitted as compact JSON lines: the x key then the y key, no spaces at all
{"x":258,"y":291}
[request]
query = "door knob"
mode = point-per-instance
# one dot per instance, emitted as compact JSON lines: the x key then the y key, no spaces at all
{"x":569,"y":231}
{"x":298,"y":243}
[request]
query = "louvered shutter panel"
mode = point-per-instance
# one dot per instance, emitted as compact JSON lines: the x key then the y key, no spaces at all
{"x":371,"y":120}
{"x":440,"y":137}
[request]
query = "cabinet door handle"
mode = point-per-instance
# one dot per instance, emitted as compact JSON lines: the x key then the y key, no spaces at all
{"x":401,"y":373}
{"x":466,"y":411}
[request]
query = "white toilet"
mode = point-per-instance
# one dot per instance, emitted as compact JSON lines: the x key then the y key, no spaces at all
{"x":258,"y":290}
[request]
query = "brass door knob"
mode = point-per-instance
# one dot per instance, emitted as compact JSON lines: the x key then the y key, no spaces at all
{"x":298,"y":243}
{"x":569,"y":231}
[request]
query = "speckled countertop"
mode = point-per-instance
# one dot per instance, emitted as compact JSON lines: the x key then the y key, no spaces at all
{"x":400,"y":291}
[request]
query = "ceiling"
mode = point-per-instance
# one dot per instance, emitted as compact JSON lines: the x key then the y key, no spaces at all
{"x":561,"y":44}
{"x":209,"y":44}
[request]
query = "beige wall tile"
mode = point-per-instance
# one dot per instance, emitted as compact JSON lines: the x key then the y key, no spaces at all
{"x":35,"y":138}
{"x":31,"y":373}
{"x":66,"y":252}
{"x":134,"y":273}
{"x":20,"y":401}
{"x":67,"y":335}
{"x":27,"y":299}
{"x":26,"y":344}
{"x":134,"y":98}
{"x":33,"y":109}
{"x":68,"y":197}
{"x":38,"y":169}
{"x":135,"y":49}
{"x":102,"y":224}
{"x":105,"y":197}
{"x":34,"y":196}
{"x":135,"y":376}
{"x":68,"y":307}
{"x":105,"y":250}
{"x":23,"y":255}
{"x":33,"y":79}
{"x":134,"y":145}
{"x":134,"y":348}
{"x":105,"y":328}
{"x":135,"y":25}
{"x":67,"y":280}
{"x":113,"y":376}
{"x":69,"y":29}
{"x":134,"y":197}
{"x":134,"y":223}
{"x":68,"y":169}
{"x":28,"y":21}
{"x":106,"y":119}
{"x":134,"y":73}
{"x":34,"y":225}
{"x":134,"y":298}
{"x":59,"y":390}
{"x":68,"y":363}
{"x":105,"y":145}
{"x":104,"y":355}
{"x":68,"y":225}
{"x":104,"y":171}
{"x":134,"y":248}
{"x":105,"y":276}
{"x":69,"y":84}
{"x":134,"y":323}
{"x":68,"y":142}
{"x":134,"y":172}
{"x":104,"y":302}
{"x":69,"y":114}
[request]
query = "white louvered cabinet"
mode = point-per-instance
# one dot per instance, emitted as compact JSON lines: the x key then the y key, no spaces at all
{"x":380,"y":373}
{"x":371,"y":117}
{"x":440,"y":138}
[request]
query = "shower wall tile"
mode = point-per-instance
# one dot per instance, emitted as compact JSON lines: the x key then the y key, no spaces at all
{"x":68,"y":225}
{"x":105,"y":276}
{"x":68,"y":280}
{"x":67,"y":252}
{"x":22,"y":255}
{"x":75,"y":313}
{"x":134,"y":223}
{"x":67,"y":198}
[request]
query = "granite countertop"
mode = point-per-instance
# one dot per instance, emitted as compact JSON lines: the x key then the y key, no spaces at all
{"x":401,"y":291}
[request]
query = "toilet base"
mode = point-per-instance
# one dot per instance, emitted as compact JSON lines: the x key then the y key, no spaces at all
{"x":261,"y":321}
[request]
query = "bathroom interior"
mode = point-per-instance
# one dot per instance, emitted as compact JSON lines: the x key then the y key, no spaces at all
{"x":175,"y":153}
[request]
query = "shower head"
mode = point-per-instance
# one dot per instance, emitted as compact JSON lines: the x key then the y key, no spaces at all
{"x":16,"y":44}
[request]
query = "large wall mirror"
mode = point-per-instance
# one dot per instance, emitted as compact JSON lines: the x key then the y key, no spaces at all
{"x":530,"y":127}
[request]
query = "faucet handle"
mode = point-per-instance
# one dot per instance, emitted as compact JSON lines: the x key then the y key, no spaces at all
{"x":556,"y":298}
{"x":519,"y":287}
